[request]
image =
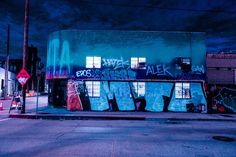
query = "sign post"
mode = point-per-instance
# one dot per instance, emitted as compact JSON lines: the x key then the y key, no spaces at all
{"x":38,"y":78}
{"x":22,"y":78}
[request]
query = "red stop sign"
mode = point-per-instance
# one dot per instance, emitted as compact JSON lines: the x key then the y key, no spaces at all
{"x":22,"y":76}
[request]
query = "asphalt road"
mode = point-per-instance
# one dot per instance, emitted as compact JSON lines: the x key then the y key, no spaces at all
{"x":87,"y":138}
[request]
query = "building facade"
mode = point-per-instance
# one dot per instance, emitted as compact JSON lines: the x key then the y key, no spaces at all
{"x":127,"y":71}
{"x":32,"y":60}
{"x":11,"y":82}
{"x":221,"y":78}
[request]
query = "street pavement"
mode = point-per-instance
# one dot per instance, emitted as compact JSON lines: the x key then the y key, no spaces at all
{"x":115,"y":138}
{"x":50,"y":132}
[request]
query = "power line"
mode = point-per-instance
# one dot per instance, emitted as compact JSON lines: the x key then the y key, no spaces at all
{"x":157,"y":7}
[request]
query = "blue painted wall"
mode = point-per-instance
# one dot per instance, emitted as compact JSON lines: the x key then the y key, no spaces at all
{"x":67,"y":49}
{"x":154,"y":93}
{"x":120,"y":94}
{"x":100,"y":103}
{"x":197,"y":99}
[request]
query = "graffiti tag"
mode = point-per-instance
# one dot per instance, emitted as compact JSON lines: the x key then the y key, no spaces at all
{"x":106,"y":74}
{"x":88,"y":73}
{"x":196,"y":69}
{"x":227,"y":97}
{"x":158,"y":70}
{"x":115,"y":63}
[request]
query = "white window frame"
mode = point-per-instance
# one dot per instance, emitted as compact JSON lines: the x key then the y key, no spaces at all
{"x":139,"y":88}
{"x":93,"y":62}
{"x":182,"y":90}
{"x":93,"y":88}
{"x":135,"y":62}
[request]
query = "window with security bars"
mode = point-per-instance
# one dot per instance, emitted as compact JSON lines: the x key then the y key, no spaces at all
{"x":93,"y":62}
{"x":93,"y":88}
{"x":182,"y":90}
{"x":139,"y":88}
{"x":183,"y":63}
{"x":138,"y":62}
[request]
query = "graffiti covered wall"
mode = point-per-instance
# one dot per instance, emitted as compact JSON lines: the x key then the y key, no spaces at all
{"x":121,"y":96}
{"x":68,"y":49}
{"x":197,"y":102}
{"x":102,"y":75}
{"x":222,"y":98}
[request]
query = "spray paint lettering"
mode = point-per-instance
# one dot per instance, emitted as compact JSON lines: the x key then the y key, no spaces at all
{"x":158,"y":70}
{"x":73,"y":99}
{"x":88,"y":73}
{"x":63,"y":59}
{"x":115,"y":63}
{"x":196,"y":69}
{"x":227,"y":98}
{"x":118,"y":94}
{"x":106,"y":74}
{"x":84,"y":73}
{"x":118,"y":74}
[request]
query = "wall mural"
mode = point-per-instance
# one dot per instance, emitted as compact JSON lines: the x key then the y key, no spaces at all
{"x":121,"y":96}
{"x":74,"y":88}
{"x":67,"y":52}
{"x":197,"y":102}
{"x":122,"y":71}
{"x":222,"y":98}
{"x":157,"y":94}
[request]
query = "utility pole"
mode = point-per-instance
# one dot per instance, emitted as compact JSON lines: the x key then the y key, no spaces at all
{"x":7,"y":63}
{"x":25,"y":48}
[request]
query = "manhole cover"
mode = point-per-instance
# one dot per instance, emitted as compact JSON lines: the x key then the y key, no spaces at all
{"x":223,"y":138}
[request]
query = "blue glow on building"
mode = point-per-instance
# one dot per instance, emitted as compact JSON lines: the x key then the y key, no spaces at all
{"x":159,"y":59}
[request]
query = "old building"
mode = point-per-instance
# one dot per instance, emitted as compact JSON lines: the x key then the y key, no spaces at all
{"x":127,"y":70}
{"x":15,"y":65}
{"x":11,"y":82}
{"x":221,"y":78}
{"x":221,"y":68}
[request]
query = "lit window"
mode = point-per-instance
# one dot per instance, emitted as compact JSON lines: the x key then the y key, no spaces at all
{"x":93,"y":62}
{"x":138,"y":63}
{"x":139,"y":88}
{"x":182,"y":90}
{"x":93,"y":88}
{"x":186,"y":61}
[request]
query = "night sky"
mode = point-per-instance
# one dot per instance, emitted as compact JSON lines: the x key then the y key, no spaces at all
{"x":215,"y":17}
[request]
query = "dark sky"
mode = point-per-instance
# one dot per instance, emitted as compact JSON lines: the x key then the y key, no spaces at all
{"x":215,"y":17}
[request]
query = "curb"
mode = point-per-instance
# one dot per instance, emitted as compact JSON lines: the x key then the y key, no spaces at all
{"x":73,"y":117}
{"x":191,"y":119}
{"x":110,"y":117}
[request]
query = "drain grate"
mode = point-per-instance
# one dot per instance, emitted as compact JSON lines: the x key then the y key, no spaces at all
{"x":223,"y":138}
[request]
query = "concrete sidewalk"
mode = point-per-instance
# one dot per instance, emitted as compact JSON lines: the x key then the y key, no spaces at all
{"x":62,"y":113}
{"x":127,"y":116}
{"x":49,"y":112}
